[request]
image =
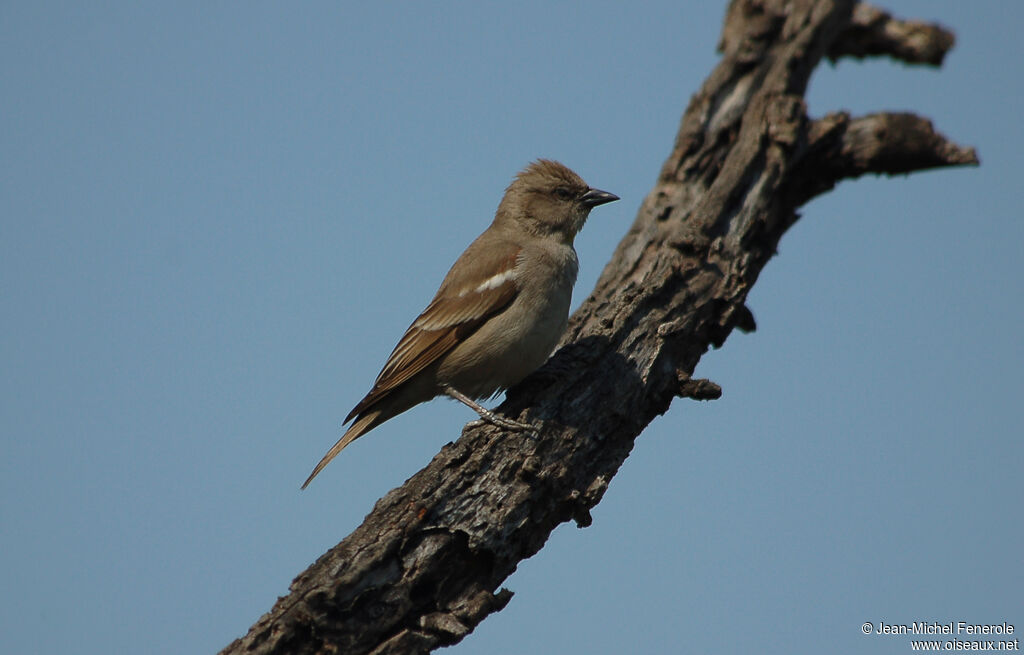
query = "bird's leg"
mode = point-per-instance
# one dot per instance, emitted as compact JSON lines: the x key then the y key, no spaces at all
{"x":485,"y":413}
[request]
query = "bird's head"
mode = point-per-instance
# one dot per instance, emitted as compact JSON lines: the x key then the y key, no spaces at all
{"x":548,"y":199}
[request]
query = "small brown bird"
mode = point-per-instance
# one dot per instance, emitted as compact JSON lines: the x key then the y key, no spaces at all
{"x":500,"y":311}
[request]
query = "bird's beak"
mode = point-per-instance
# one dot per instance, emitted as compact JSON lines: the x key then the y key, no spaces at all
{"x":595,"y":197}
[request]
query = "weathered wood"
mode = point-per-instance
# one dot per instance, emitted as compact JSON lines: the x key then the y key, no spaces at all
{"x":422,"y":570}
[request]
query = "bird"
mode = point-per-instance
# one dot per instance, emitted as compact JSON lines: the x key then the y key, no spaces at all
{"x":499,"y":312}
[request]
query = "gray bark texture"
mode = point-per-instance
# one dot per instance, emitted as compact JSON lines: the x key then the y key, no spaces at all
{"x":426,"y":565}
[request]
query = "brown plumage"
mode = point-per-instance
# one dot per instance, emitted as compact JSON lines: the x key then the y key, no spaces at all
{"x":500,"y":309}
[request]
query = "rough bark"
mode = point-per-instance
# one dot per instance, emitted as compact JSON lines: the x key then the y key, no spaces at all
{"x":423,"y":569}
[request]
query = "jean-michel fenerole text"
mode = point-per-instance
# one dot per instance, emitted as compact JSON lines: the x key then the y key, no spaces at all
{"x":950,"y":628}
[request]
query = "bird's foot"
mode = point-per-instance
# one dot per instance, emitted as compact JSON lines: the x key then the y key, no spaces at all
{"x":487,"y":416}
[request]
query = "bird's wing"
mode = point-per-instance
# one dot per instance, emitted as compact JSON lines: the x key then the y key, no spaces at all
{"x":453,"y":315}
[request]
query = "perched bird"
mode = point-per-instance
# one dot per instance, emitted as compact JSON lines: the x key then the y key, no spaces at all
{"x":500,"y":311}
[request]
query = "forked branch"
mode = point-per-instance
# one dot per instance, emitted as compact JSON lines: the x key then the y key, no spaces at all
{"x":425,"y":566}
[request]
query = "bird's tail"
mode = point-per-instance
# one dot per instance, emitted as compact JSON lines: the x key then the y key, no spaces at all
{"x":357,"y":429}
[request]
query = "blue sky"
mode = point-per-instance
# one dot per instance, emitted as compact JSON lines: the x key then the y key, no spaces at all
{"x":218,"y":218}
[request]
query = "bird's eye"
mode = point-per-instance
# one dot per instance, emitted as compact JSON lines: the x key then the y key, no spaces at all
{"x":563,"y":193}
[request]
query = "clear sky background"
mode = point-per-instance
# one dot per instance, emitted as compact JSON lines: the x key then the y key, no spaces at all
{"x":218,"y":218}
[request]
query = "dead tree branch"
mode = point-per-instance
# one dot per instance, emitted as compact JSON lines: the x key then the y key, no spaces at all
{"x":873,"y":32}
{"x":423,"y":569}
